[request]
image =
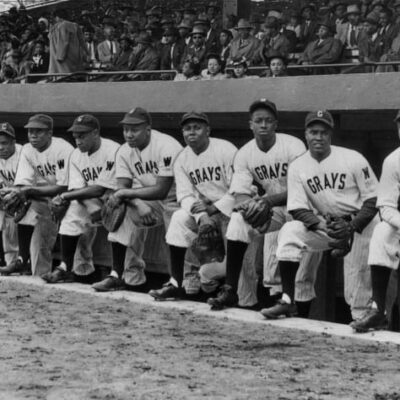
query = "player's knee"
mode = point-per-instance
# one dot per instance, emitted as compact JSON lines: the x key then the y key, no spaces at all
{"x":238,"y":229}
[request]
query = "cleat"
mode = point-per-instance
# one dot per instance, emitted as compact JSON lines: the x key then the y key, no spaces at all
{"x":109,"y":284}
{"x":16,"y":267}
{"x":168,"y":292}
{"x":192,"y":284}
{"x":59,"y":276}
{"x":373,"y":320}
{"x":227,"y":297}
{"x":279,"y":309}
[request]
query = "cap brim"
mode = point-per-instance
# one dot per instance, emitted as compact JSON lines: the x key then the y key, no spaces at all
{"x":183,"y":122}
{"x":316,"y":119}
{"x":8,"y":133}
{"x":133,"y":121}
{"x":258,"y":105}
{"x":36,"y":125}
{"x":80,"y":129}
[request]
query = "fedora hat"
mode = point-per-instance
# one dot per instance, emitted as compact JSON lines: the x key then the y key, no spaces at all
{"x":197,"y":31}
{"x":243,"y":24}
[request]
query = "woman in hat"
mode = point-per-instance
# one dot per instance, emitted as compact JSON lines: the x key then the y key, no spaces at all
{"x":277,"y":64}
{"x":214,"y":70}
{"x":240,"y":69}
{"x":190,"y":72}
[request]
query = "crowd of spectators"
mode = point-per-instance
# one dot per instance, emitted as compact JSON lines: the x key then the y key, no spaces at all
{"x":199,"y":44}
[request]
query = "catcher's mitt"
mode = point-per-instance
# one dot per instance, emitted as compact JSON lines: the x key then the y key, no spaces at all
{"x":209,"y":245}
{"x":256,"y":212}
{"x":16,"y":204}
{"x":58,"y":208}
{"x":112,"y":213}
{"x":343,"y":233}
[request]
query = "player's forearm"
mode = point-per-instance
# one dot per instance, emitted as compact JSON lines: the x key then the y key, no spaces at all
{"x":276,"y":200}
{"x":307,"y":217}
{"x":390,"y":215}
{"x":365,"y":215}
{"x":144,"y":193}
{"x":89,"y":192}
{"x":43,"y":191}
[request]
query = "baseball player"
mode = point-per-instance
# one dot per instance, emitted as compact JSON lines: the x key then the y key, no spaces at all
{"x":145,"y":182}
{"x":42,"y":173}
{"x":384,"y":248}
{"x":9,"y":157}
{"x":203,"y":172}
{"x":91,"y":163}
{"x":264,"y":160}
{"x":331,"y":196}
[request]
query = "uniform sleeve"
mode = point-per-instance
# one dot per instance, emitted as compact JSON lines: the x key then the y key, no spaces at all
{"x":365,"y":178}
{"x":76,"y":180}
{"x":122,"y":169}
{"x":296,"y":150}
{"x":168,"y":154}
{"x":62,"y":165}
{"x":26,"y":174}
{"x":389,"y":185}
{"x":242,"y":179}
{"x":185,"y":192}
{"x":297,"y":196}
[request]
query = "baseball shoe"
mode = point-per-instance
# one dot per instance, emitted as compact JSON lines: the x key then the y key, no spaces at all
{"x":59,"y":276}
{"x":168,"y":292}
{"x":227,"y":297}
{"x":279,"y":309}
{"x":373,"y":320}
{"x":16,"y":267}
{"x":109,"y":284}
{"x":191,"y":283}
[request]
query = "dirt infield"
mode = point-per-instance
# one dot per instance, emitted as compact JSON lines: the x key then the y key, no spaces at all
{"x":59,"y":345}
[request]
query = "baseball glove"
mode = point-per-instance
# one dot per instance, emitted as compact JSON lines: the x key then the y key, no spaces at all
{"x":58,"y":208}
{"x":16,"y":204}
{"x":342,"y":232}
{"x":113,"y":213}
{"x":209,"y":245}
{"x":257,"y":213}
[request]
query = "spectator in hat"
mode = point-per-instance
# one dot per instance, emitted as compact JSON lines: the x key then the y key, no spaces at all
{"x":393,"y":54}
{"x":339,"y":13}
{"x":325,"y":50}
{"x":190,"y":72}
{"x":91,"y":46}
{"x":212,"y":10}
{"x":309,"y":25}
{"x":108,"y":48}
{"x":349,"y":32}
{"x":273,"y":41}
{"x":67,"y":46}
{"x":277,"y":64}
{"x":144,"y":57}
{"x":245,"y":45}
{"x":189,"y":16}
{"x":294,"y":23}
{"x":27,"y":43}
{"x":225,"y":39}
{"x":388,"y":29}
{"x":239,"y":69}
{"x":370,"y":43}
{"x":212,"y":37}
{"x":121,"y":61}
{"x":38,"y":63}
{"x":214,"y":70}
{"x":196,"y":50}
{"x":184,"y":30}
{"x":172,"y":50}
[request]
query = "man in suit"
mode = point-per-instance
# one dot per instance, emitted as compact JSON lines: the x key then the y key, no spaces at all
{"x":172,"y":50}
{"x":349,"y":32}
{"x":309,"y":25}
{"x":109,"y":47}
{"x":212,"y":36}
{"x":388,"y":29}
{"x":325,"y":50}
{"x":196,"y":50}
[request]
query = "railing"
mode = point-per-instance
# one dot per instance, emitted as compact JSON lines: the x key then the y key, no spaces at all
{"x":88,"y":76}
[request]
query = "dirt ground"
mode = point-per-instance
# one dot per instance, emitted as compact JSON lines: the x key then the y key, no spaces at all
{"x":57,"y":345}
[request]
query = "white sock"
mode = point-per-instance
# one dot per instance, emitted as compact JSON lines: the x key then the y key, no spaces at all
{"x":173,"y":282}
{"x":114,"y":274}
{"x":63,"y":266}
{"x":286,"y":299}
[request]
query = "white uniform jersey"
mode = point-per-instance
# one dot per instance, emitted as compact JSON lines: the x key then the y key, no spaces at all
{"x":269,"y":169}
{"x":207,"y":174}
{"x":157,"y":159}
{"x":8,"y":167}
{"x":49,"y":166}
{"x":338,"y":185}
{"x":95,"y":169}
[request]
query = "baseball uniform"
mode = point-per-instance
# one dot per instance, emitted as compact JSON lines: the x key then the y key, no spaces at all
{"x":143,"y":167}
{"x":336,"y":186}
{"x":49,"y":167}
{"x":8,"y":170}
{"x":269,"y":171}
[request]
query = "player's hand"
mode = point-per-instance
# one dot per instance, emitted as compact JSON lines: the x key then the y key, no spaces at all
{"x":322,"y":227}
{"x":145,"y":213}
{"x":198,"y":207}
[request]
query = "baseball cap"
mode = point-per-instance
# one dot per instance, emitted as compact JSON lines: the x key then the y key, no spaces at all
{"x":40,"y":121}
{"x":136,"y":116}
{"x":193,"y":115}
{"x":264,"y":103}
{"x":85,"y":123}
{"x":320,"y":116}
{"x":7,"y":128}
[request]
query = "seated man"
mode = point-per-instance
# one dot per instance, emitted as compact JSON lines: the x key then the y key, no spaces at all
{"x":264,"y":160}
{"x":42,"y":173}
{"x":384,"y":247}
{"x":331,"y":196}
{"x":203,"y":172}
{"x":92,"y":163}
{"x":146,"y":159}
